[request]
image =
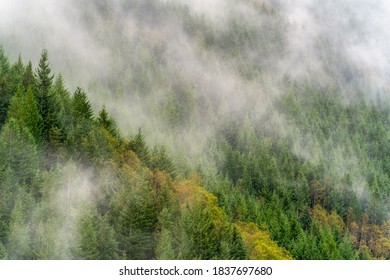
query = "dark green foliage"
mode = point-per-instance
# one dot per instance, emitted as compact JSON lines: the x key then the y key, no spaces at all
{"x":8,"y":183}
{"x":135,"y":218}
{"x":319,"y":188}
{"x":64,"y":108}
{"x":5,"y":88}
{"x":28,"y":78}
{"x":107,"y":122}
{"x":3,"y":252}
{"x":160,"y":160}
{"x":82,"y":109}
{"x":96,"y":239}
{"x":16,"y":73}
{"x":46,"y":102}
{"x":138,"y":145}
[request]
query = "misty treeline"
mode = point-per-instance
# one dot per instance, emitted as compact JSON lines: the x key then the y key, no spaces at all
{"x":73,"y":188}
{"x":262,"y":158}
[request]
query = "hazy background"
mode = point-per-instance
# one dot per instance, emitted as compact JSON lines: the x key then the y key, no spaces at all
{"x":133,"y":56}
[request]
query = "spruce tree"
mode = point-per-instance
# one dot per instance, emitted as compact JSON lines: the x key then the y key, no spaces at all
{"x":64,"y":101}
{"x":18,"y":150}
{"x":107,"y":122}
{"x":46,"y":101}
{"x":28,"y":78}
{"x":24,"y":109}
{"x":16,"y":74}
{"x":5,"y":92}
{"x":138,"y":145}
{"x":82,"y":109}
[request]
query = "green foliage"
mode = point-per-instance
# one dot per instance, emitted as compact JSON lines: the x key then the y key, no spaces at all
{"x":5,"y":92}
{"x":138,"y":145}
{"x":107,"y":122}
{"x":318,"y":190}
{"x":19,"y":243}
{"x":82,"y":109}
{"x":18,"y":151}
{"x":24,"y":109}
{"x":28,"y":78}
{"x":44,"y":95}
{"x":96,"y":239}
{"x":164,"y":248}
{"x":159,"y":160}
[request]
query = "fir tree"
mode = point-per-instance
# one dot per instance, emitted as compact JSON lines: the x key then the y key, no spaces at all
{"x":46,"y":101}
{"x":82,"y":109}
{"x":24,"y":109}
{"x":28,"y":78}
{"x":138,"y":145}
{"x":5,"y":89}
{"x":18,"y":150}
{"x":107,"y":122}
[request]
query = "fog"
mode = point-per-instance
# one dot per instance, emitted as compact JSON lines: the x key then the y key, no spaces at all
{"x":133,"y":56}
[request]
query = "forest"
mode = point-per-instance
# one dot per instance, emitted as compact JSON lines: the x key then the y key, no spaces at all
{"x":197,"y":137}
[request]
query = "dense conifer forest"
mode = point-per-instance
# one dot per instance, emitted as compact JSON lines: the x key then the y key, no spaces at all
{"x":194,"y":136}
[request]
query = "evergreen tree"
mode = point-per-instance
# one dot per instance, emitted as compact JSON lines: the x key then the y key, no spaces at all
{"x":82,"y":123}
{"x":107,"y":122}
{"x":28,"y":78}
{"x":138,"y":145}
{"x":46,"y":101}
{"x":9,"y":186}
{"x":5,"y":88}
{"x":19,"y":242}
{"x":3,"y":252}
{"x":164,"y":248}
{"x":82,"y":109}
{"x":24,"y":109}
{"x":160,"y":160}
{"x":237,"y":247}
{"x":64,"y":101}
{"x":16,"y":74}
{"x":18,"y":150}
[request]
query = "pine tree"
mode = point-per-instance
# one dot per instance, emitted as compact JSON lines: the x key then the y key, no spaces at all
{"x":107,"y":122}
{"x":24,"y":109}
{"x":19,"y":242}
{"x":82,"y":109}
{"x":237,"y":247}
{"x":164,"y":249}
{"x":9,"y":186}
{"x":5,"y":88}
{"x":87,"y":243}
{"x":64,"y":101}
{"x":3,"y":252}
{"x":16,"y":74}
{"x":138,"y":145}
{"x":28,"y":78}
{"x":18,"y":150}
{"x":46,"y":101}
{"x":4,"y":63}
{"x":160,"y":160}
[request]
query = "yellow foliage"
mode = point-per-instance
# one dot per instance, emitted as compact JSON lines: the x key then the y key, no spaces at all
{"x":258,"y":244}
{"x":332,"y":219}
{"x":189,"y":192}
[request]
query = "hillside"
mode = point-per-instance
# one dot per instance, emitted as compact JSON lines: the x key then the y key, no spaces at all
{"x":247,"y":130}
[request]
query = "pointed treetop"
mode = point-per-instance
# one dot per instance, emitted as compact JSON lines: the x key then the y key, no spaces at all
{"x":43,"y":74}
{"x":28,"y":77}
{"x":82,"y":108}
{"x":107,"y":122}
{"x":4,"y":63}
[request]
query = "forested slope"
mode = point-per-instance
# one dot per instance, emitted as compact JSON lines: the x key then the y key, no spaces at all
{"x":201,"y":134}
